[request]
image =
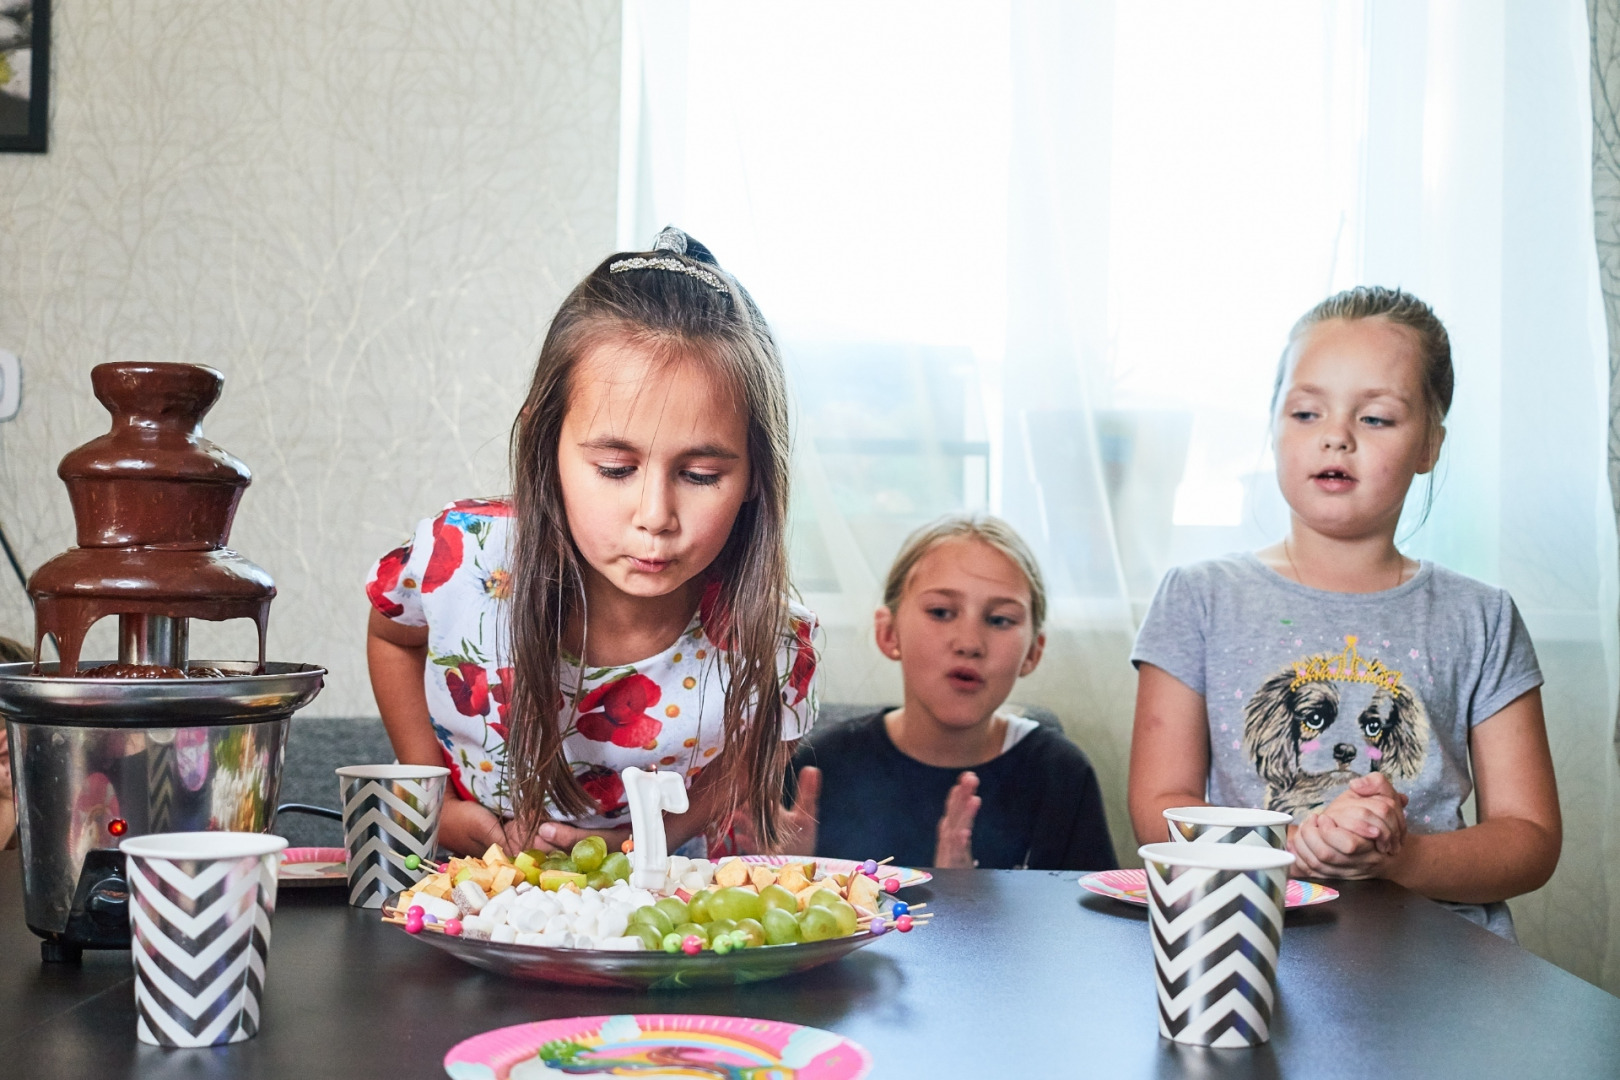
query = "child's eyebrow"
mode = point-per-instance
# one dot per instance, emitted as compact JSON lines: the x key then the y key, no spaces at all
{"x":624,"y":446}
{"x":956,"y":594}
{"x":1365,"y":395}
{"x":711,"y":450}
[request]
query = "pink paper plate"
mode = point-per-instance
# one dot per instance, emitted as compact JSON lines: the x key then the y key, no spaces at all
{"x":1131,"y":887}
{"x":309,"y":866}
{"x":634,"y":1045}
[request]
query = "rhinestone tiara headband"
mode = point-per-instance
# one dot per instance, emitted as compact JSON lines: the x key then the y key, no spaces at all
{"x":666,"y":262}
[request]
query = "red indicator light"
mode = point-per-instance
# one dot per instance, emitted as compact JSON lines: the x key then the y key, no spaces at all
{"x":118,"y":826}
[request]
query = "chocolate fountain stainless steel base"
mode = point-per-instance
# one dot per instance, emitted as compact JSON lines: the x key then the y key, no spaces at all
{"x":95,"y":760}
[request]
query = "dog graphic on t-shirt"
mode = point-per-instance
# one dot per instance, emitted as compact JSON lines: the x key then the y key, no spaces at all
{"x":1321,"y":721}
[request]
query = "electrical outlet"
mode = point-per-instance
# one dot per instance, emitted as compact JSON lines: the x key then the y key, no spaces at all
{"x":10,"y":385}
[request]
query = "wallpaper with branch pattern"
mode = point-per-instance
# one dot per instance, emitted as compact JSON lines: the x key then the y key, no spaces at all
{"x":362,"y":213}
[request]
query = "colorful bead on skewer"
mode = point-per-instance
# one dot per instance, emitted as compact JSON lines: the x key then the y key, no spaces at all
{"x":416,"y":862}
{"x":891,"y":885}
{"x":878,"y":925}
{"x":904,"y":924}
{"x":900,"y":908}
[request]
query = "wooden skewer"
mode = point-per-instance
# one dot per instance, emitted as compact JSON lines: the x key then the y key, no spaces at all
{"x":885,"y":862}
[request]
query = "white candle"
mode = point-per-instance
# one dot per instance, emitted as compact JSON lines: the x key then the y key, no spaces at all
{"x":649,"y":795}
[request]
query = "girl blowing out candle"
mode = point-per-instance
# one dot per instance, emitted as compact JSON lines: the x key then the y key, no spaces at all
{"x":627,"y":605}
{"x":1333,"y":678}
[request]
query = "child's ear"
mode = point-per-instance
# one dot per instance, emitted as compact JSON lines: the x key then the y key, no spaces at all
{"x":888,"y":640}
{"x":1033,"y":658}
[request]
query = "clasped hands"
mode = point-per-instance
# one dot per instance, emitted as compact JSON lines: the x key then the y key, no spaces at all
{"x":1357,"y":835}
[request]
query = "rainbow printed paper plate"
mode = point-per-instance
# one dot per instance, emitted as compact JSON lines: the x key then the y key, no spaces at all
{"x":657,"y":1045}
{"x":1131,"y":887}
{"x":307,"y":866}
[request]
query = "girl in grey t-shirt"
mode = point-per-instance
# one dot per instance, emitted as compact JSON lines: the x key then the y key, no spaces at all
{"x":1332,"y":678}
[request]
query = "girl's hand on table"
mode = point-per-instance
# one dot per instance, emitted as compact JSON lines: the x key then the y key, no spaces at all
{"x":954,"y":847}
{"x":559,"y":836}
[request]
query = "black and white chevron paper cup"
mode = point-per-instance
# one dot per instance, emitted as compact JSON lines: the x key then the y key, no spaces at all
{"x":1215,"y":914}
{"x":1228,"y":825}
{"x":200,"y":907}
{"x":390,"y":812}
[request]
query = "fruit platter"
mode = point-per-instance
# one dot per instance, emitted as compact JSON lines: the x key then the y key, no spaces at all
{"x":576,"y":919}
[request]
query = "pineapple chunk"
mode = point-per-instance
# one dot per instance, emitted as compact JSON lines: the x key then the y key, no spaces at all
{"x":792,"y":877}
{"x":730,"y":873}
{"x":864,"y":892}
{"x":762,"y":876}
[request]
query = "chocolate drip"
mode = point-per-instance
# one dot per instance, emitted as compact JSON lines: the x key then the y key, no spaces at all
{"x":153,"y":502}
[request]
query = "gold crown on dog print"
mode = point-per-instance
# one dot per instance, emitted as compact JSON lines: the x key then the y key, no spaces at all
{"x":1348,"y":666}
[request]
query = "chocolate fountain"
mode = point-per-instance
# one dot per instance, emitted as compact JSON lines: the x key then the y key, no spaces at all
{"x":152,"y":742}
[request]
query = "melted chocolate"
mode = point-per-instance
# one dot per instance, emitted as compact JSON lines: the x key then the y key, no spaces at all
{"x":132,"y":671}
{"x":150,"y":671}
{"x":153,"y":502}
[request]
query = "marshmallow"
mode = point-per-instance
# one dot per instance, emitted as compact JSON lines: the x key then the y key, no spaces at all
{"x":469,"y":898}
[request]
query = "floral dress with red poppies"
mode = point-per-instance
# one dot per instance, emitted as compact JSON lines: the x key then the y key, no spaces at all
{"x":453,"y":577}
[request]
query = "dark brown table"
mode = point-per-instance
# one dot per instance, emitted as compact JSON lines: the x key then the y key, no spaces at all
{"x":1021,"y":974}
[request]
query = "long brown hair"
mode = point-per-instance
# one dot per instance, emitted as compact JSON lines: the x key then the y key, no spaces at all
{"x":678,"y":304}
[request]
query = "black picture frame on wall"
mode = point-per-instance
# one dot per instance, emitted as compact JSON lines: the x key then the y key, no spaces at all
{"x":25,"y":63}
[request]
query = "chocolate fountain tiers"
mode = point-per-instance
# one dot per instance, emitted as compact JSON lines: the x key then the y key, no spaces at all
{"x":143,"y":745}
{"x":153,"y":502}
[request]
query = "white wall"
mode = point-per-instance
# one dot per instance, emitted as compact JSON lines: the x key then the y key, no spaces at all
{"x":362,"y":213}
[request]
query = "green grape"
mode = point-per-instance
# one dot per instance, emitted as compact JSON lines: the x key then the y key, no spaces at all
{"x":672,"y":943}
{"x":553,"y":860}
{"x":675,"y":909}
{"x":697,"y":908}
{"x":847,"y":919}
{"x":589,"y":853}
{"x":825,"y":898}
{"x":717,"y":927}
{"x":781,"y":928}
{"x":617,"y":866}
{"x":722,"y":945}
{"x":736,"y":904}
{"x":649,"y":935}
{"x":751,"y":931}
{"x":653,"y":917}
{"x":599,"y":881}
{"x":818,"y":923}
{"x":687,"y":929}
{"x":774,"y":896}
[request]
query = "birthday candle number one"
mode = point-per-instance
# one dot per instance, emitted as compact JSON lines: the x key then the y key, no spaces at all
{"x":650,"y":794}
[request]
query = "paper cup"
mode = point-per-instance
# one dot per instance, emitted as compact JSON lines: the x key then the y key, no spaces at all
{"x":1215,"y":913}
{"x":200,"y":907}
{"x":1228,"y":825}
{"x":390,"y":812}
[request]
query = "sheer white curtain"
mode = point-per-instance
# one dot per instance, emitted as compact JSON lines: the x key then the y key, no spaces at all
{"x":1041,"y":257}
